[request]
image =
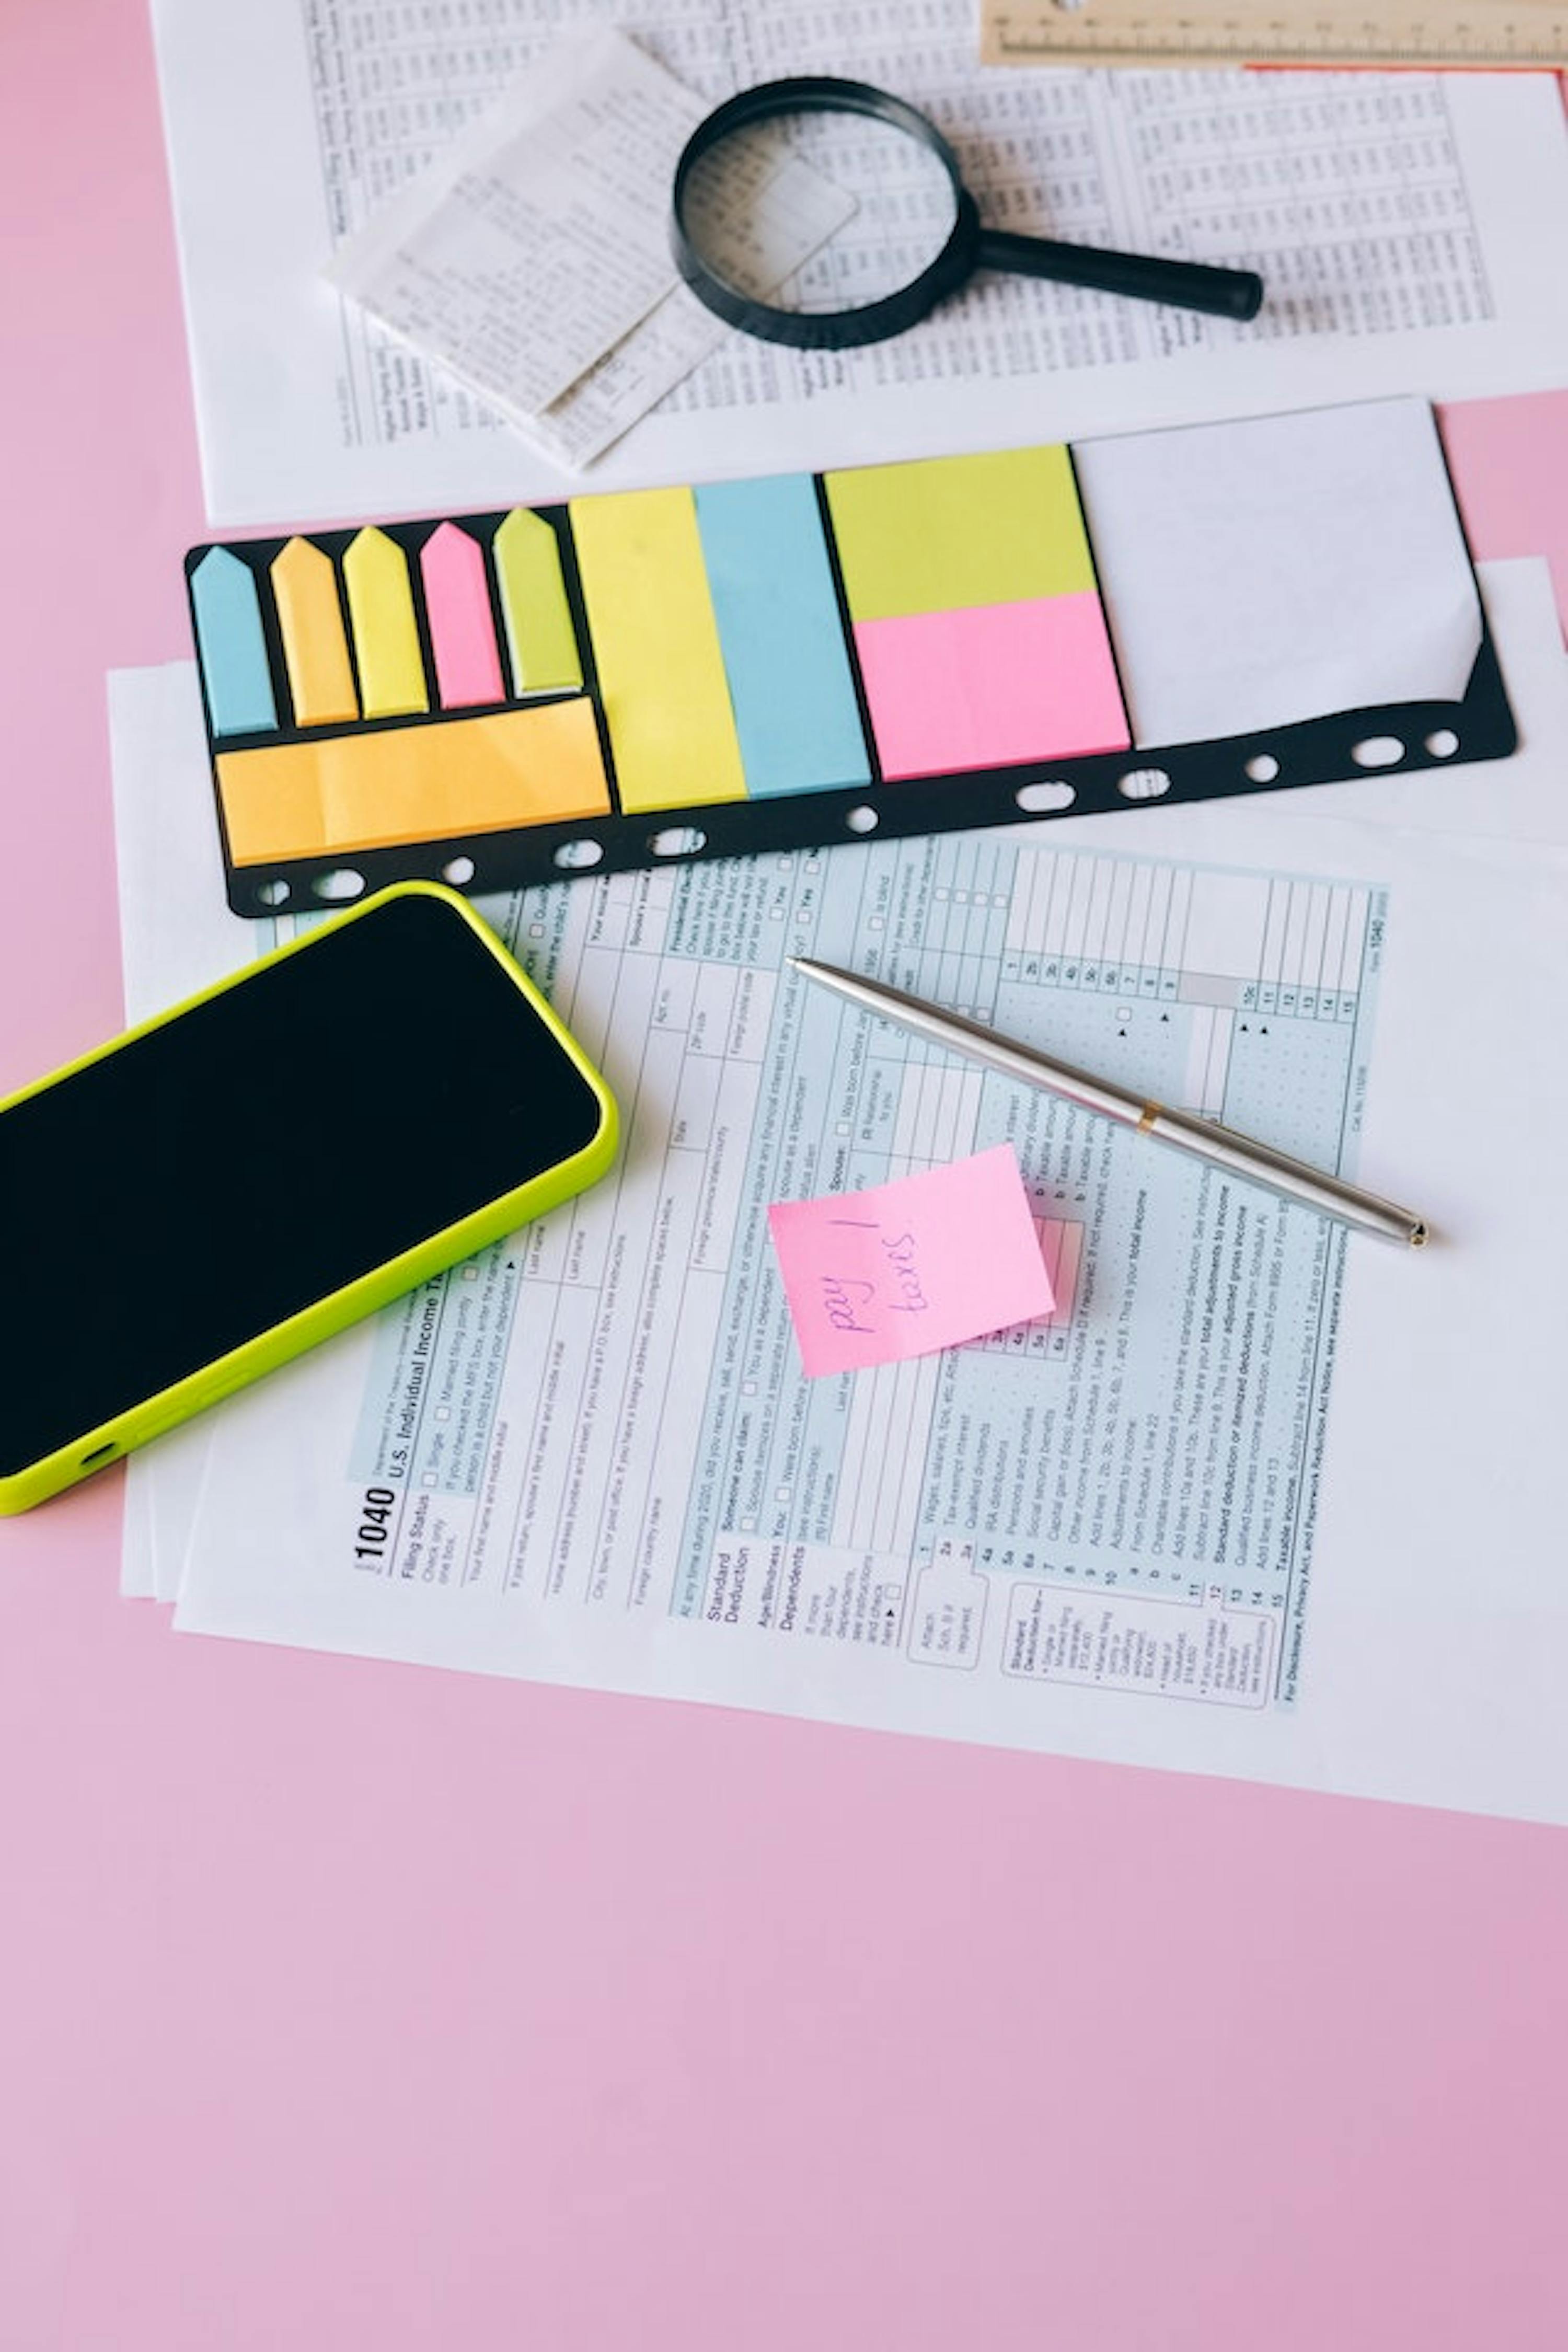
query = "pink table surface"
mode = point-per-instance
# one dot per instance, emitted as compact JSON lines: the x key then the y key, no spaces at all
{"x":344,"y":2005}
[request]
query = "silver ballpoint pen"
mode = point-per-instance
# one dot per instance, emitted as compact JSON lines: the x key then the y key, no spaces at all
{"x":1205,"y":1138}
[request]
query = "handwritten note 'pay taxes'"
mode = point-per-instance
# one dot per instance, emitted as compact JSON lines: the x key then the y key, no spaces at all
{"x":905,"y":1268}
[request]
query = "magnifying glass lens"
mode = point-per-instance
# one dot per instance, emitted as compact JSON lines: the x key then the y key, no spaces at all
{"x":875,"y":205}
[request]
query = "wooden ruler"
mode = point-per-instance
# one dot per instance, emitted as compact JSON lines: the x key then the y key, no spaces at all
{"x":1526,"y":35}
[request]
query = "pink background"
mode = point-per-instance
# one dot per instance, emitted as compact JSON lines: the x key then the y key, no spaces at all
{"x":347,"y":2005}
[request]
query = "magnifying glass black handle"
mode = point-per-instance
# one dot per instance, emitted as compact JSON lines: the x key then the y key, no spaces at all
{"x":1193,"y":285}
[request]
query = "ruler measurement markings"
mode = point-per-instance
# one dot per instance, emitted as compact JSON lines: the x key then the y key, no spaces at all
{"x":1504,"y":34}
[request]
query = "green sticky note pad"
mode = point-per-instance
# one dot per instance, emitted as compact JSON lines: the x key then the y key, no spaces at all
{"x":997,"y":528}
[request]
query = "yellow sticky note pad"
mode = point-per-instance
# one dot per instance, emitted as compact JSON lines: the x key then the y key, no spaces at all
{"x":994,"y":528}
{"x":655,"y":643}
{"x":341,"y":793}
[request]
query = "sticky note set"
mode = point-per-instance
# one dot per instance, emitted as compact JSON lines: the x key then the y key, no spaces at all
{"x":907,"y":1268}
{"x":639,"y":677}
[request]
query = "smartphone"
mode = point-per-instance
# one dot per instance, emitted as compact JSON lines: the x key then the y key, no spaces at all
{"x":206,"y":1196}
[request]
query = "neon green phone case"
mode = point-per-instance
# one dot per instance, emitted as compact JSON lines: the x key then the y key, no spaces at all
{"x":96,"y":1446}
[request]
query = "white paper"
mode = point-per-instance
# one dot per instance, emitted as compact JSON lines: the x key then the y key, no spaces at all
{"x":1434,"y":1606}
{"x":536,"y":247}
{"x":1334,"y":574}
{"x":1518,"y":799}
{"x":1395,"y":220}
{"x":793,"y":210}
{"x":535,"y":241}
{"x":608,"y":398}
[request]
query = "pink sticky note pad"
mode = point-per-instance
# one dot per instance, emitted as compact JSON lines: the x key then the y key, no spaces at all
{"x":990,"y":686}
{"x":905,"y":1268}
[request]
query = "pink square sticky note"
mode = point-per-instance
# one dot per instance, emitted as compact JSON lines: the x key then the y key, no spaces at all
{"x":990,"y":686}
{"x":905,"y":1268}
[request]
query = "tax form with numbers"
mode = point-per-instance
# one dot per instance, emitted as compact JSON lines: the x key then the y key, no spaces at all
{"x":1135,"y":1474}
{"x":1226,"y":1508}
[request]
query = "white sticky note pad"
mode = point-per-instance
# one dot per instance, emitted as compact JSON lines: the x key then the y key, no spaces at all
{"x":1274,"y":569}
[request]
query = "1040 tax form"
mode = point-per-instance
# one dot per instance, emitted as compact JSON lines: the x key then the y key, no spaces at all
{"x":1250,"y":1499}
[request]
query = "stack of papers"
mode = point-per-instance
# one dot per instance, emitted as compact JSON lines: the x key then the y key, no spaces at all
{"x":1245,"y":1499}
{"x":1395,"y":220}
{"x":1221,"y":1509}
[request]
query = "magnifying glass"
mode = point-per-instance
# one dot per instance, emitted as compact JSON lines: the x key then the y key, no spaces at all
{"x":915,"y":235}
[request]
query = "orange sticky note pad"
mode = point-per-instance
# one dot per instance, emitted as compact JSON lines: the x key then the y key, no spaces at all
{"x":337,"y":792}
{"x":906,"y":1268}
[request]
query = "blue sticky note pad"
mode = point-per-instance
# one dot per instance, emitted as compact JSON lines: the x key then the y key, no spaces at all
{"x":782,"y":637}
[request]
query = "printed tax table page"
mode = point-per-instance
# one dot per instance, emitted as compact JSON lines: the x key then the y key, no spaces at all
{"x":1396,"y":219}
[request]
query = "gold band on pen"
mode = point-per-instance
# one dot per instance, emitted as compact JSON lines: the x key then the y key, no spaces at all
{"x":1147,"y":1117}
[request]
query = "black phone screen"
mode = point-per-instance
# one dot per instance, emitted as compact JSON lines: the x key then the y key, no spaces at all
{"x":193,"y":1189}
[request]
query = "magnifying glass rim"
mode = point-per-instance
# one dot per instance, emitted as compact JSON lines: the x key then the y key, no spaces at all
{"x":825,"y":329}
